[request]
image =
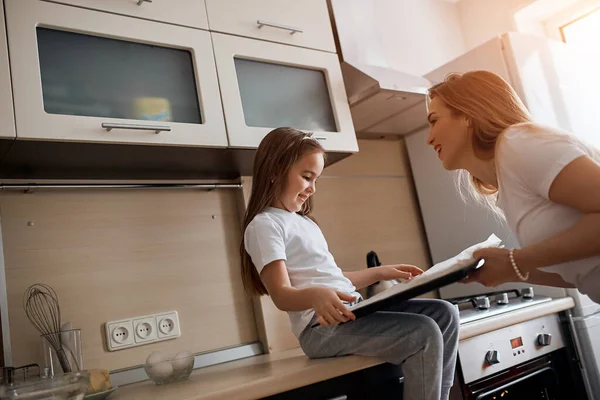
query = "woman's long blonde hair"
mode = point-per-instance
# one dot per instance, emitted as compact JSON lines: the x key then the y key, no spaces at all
{"x":277,"y":153}
{"x":491,"y":106}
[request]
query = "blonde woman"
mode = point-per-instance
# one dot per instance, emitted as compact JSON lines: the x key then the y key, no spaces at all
{"x":545,"y":182}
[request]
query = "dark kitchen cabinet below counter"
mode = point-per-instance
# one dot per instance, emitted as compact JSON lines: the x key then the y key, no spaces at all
{"x":381,"y":382}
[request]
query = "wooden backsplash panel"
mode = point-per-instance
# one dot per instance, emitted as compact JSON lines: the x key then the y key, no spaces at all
{"x":367,"y":202}
{"x":116,"y":254}
{"x":375,"y":158}
{"x":359,"y":215}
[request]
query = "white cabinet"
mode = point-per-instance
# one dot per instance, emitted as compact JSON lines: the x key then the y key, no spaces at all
{"x":7,"y":121}
{"x":268,"y":85}
{"x":84,"y":75}
{"x":180,"y":12}
{"x":301,"y":23}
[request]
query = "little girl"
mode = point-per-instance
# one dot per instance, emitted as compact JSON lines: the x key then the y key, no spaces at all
{"x":285,"y":255}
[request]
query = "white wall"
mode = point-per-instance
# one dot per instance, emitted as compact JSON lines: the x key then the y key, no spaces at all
{"x":413,"y":36}
{"x":481,"y":20}
{"x":428,"y":34}
{"x":547,"y":16}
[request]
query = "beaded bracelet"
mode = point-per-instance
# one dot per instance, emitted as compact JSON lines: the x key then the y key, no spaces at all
{"x":514,"y":265}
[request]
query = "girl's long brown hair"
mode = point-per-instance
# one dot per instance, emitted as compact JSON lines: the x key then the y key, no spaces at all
{"x":277,"y":153}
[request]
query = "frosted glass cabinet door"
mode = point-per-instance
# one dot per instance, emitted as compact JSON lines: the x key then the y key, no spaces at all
{"x":268,"y":85}
{"x":7,"y":120}
{"x":277,"y":94}
{"x":82,"y":75}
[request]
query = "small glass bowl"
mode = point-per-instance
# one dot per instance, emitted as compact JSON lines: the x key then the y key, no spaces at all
{"x":69,"y":386}
{"x":171,"y":369}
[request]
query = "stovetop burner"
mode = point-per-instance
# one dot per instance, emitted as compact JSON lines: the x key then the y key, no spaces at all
{"x":473,"y":308}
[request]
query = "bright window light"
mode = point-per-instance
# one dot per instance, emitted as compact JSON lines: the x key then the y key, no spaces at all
{"x":584,"y":31}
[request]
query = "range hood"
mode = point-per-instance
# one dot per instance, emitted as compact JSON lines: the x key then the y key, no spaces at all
{"x":383,"y":100}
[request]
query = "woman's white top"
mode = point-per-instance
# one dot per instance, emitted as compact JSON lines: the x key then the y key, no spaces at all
{"x":528,"y":159}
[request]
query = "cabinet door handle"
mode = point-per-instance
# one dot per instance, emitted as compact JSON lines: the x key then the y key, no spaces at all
{"x":155,"y":128}
{"x":320,"y":138}
{"x":342,"y":397}
{"x":292,"y":29}
{"x":140,"y":2}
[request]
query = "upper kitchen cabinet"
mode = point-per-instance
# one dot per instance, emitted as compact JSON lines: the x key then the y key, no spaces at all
{"x":190,"y":13}
{"x":268,"y":85}
{"x":90,"y":76}
{"x":299,"y":23}
{"x":7,"y":121}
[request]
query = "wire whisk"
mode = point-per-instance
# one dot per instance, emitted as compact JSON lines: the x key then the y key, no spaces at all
{"x":43,"y":311}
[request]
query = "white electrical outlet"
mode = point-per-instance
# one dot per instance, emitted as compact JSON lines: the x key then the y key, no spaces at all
{"x":119,"y":334}
{"x":142,"y":330}
{"x":168,"y":325}
{"x":145,"y":329}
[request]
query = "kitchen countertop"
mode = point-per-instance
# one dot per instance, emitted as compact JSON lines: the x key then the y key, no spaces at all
{"x":249,"y":378}
{"x":269,"y":374}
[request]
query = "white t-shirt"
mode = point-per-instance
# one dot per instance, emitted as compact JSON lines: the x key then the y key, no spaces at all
{"x":529,"y":157}
{"x":277,"y":234}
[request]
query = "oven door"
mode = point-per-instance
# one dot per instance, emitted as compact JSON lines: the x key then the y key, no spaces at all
{"x":538,"y":385}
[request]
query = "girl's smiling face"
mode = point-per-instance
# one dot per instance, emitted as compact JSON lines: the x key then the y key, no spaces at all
{"x":300,"y":182}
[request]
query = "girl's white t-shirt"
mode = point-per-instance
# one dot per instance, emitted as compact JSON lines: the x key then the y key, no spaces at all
{"x":528,"y":159}
{"x":277,"y":234}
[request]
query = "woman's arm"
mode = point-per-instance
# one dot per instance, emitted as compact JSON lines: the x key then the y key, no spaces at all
{"x":539,"y":277}
{"x":576,"y":186}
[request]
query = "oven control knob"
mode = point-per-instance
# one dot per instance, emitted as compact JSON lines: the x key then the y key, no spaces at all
{"x":483,"y":303}
{"x":491,"y":357}
{"x":527,"y":293}
{"x":502,"y":299}
{"x":544,"y":339}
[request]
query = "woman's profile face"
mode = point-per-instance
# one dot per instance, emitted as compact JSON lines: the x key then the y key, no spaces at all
{"x":449,"y":134}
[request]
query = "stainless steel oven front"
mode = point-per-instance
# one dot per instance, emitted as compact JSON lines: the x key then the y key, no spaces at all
{"x":530,"y":360}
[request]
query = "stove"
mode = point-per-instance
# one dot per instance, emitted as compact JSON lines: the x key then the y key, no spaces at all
{"x":487,"y":305}
{"x":528,"y":360}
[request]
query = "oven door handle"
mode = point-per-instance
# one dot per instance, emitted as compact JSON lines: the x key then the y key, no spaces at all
{"x":514,"y":382}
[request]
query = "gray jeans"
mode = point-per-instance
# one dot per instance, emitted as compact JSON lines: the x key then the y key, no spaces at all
{"x":420,"y":334}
